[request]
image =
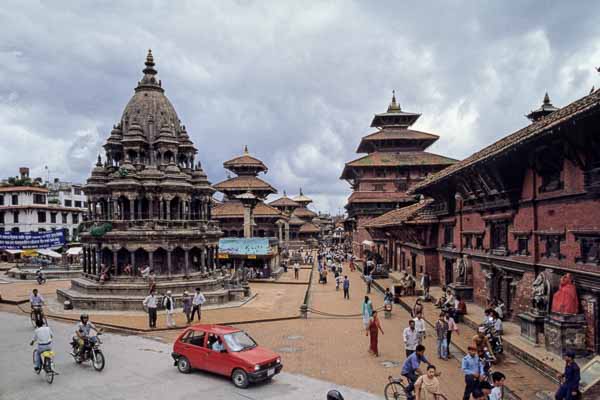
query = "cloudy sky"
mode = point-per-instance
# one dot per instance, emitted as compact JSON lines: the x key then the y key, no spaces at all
{"x":297,"y":81}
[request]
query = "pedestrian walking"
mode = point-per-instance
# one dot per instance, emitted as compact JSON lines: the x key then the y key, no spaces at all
{"x":346,"y":287}
{"x":150,"y":304}
{"x":296,"y":270}
{"x":369,"y":280}
{"x":417,"y":308}
{"x":338,"y":280}
{"x":411,"y":339}
{"x":498,"y":379}
{"x":472,"y":367}
{"x":367,"y":312}
{"x":373,"y":332}
{"x":569,"y":387}
{"x":441,"y":333}
{"x":452,"y":327}
{"x":420,"y":327}
{"x":186,"y":301}
{"x":169,"y":305}
{"x":197,"y":302}
{"x":426,"y":284}
{"x":427,"y":386}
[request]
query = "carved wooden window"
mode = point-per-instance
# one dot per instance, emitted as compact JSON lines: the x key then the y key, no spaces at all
{"x":549,"y":164}
{"x":448,"y":235}
{"x":523,"y":245}
{"x":468,"y":241}
{"x":589,"y":249}
{"x":499,"y":231}
{"x":479,"y":242}
{"x":378,"y":187}
{"x":552,"y":246}
{"x":402,"y":186}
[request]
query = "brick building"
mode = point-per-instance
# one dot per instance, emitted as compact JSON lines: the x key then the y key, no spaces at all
{"x":396,"y":159}
{"x":523,"y":206}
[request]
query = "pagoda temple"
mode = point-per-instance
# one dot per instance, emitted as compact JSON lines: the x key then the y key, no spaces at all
{"x":237,"y":190}
{"x":149,"y":209}
{"x":395,"y":160}
{"x":300,"y":230}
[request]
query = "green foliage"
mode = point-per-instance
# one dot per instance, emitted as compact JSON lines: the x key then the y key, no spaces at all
{"x":99,"y":231}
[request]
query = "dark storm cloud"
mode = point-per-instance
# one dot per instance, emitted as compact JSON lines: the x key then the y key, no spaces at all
{"x":297,"y":82}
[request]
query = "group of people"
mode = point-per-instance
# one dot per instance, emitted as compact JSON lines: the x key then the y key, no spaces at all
{"x":191,"y":306}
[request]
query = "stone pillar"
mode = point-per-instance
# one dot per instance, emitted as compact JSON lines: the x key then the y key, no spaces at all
{"x":187,"y":262}
{"x":151,"y":208}
{"x":287,"y":232}
{"x":84,"y":260}
{"x":168,"y":209}
{"x":132,"y":209}
{"x":115,"y":209}
{"x":247,"y":221}
{"x":115,"y":260}
{"x":132,"y":253}
{"x":280,"y":229}
{"x":169,"y":262}
{"x":203,"y":260}
{"x":151,"y":259}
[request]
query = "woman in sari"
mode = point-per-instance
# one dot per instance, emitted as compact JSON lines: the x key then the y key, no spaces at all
{"x":373,"y":332}
{"x":367,"y":312}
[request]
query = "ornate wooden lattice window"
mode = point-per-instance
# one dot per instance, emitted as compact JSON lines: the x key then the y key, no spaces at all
{"x":467,"y":240}
{"x":589,"y":247}
{"x":549,"y":165}
{"x":402,"y":186}
{"x":479,"y":241}
{"x":523,"y":245}
{"x":499,"y":235}
{"x":552,"y":249}
{"x":448,"y":235}
{"x":378,"y":187}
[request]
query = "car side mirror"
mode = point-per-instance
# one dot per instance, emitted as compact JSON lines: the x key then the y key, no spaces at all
{"x":224,"y":351}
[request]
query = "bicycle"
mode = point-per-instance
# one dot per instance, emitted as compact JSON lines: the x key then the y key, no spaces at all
{"x":37,"y":313}
{"x":47,"y":366}
{"x":395,"y":389}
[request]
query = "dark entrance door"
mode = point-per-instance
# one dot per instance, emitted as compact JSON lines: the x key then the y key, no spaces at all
{"x":413,"y":262}
{"x":448,"y":271}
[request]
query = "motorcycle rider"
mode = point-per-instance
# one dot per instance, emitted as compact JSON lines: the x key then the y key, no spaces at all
{"x":40,"y":276}
{"x":481,"y":342}
{"x":82,"y":332}
{"x":43,"y":336}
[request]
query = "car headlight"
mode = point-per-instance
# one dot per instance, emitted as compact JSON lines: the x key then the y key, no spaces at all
{"x":256,"y":367}
{"x":278,"y":360}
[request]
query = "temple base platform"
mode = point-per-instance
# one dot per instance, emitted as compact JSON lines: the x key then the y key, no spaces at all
{"x":565,"y":332}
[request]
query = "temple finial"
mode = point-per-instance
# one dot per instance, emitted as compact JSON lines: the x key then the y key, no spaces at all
{"x":246,"y":149}
{"x":284,"y":193}
{"x":546,"y":98}
{"x":301,"y":194}
{"x":394,"y":106}
{"x":99,"y":162}
{"x":149,"y":70}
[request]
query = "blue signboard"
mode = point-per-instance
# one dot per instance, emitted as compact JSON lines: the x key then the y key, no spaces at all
{"x":241,"y":246}
{"x":31,"y":240}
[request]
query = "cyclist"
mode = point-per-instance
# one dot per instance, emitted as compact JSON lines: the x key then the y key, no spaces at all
{"x":43,"y":336}
{"x":35,"y":299}
{"x":411,"y":371}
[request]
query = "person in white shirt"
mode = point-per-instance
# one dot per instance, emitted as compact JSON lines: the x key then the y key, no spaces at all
{"x":36,"y":299}
{"x":218,"y":345}
{"x":497,"y":322}
{"x":420,"y":327}
{"x":411,"y":338}
{"x":43,"y":336}
{"x":150,"y":304}
{"x":197,"y":302}
{"x":498,"y":381}
{"x":169,"y":305}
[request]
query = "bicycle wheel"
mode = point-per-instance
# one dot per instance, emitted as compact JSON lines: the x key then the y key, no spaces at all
{"x":394,"y":391}
{"x":32,"y":318}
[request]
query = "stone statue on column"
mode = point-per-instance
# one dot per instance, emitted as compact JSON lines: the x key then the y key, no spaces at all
{"x":541,"y":293}
{"x":461,"y":268}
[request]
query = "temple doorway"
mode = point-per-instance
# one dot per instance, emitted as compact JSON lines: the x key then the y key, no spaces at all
{"x":448,"y":271}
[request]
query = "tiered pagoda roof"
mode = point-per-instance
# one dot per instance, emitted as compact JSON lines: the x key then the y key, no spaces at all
{"x":235,"y":209}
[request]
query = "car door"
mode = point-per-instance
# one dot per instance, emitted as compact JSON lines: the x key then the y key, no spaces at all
{"x":220,"y":363}
{"x":194,"y":348}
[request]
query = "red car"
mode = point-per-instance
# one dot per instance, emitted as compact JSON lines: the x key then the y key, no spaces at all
{"x":227,"y":351}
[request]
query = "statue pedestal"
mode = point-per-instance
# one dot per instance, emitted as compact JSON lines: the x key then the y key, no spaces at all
{"x":565,"y":332}
{"x":463,"y":291}
{"x":532,"y":326}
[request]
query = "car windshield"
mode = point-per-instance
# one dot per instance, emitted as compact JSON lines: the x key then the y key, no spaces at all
{"x":239,"y":341}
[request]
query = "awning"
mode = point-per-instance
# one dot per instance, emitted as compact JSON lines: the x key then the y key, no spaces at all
{"x":13,"y":251}
{"x":74,"y":251}
{"x":49,"y":253}
{"x":368,"y":243}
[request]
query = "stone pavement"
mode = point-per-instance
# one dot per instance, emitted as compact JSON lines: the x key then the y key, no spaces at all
{"x":523,"y":380}
{"x":18,"y":292}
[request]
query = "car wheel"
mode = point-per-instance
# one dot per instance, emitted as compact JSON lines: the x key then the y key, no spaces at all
{"x":240,"y":378}
{"x":183,"y":365}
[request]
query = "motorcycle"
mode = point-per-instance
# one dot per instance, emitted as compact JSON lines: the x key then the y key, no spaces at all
{"x":494,"y":339}
{"x":40,"y":278}
{"x":487,"y":359}
{"x":90,"y":351}
{"x":47,"y":365}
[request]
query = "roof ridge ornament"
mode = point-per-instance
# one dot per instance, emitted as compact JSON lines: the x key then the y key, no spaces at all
{"x":394,"y":106}
{"x":246,"y":149}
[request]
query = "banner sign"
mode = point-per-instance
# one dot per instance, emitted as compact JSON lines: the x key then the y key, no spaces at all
{"x":31,"y":240}
{"x":250,"y":247}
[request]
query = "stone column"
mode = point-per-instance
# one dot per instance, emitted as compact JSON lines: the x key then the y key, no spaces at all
{"x":132,"y":253}
{"x":115,"y":260}
{"x":187,"y":262}
{"x":151,"y":208}
{"x":169,"y":262}
{"x":247,"y":221}
{"x":168,"y":209}
{"x":115,"y":209}
{"x":84,"y":260}
{"x":203,"y":260}
{"x":132,"y":209}
{"x":287,"y":232}
{"x":280,"y":228}
{"x":151,"y":259}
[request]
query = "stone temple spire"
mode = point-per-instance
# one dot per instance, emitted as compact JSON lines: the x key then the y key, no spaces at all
{"x":394,"y":106}
{"x":149,"y":80}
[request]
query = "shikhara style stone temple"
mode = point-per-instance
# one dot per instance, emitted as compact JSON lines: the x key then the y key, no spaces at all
{"x":149,"y":205}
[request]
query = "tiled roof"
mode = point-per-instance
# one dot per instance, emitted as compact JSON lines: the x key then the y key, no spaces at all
{"x":397,"y":217}
{"x":309,"y":228}
{"x":379,"y":197}
{"x":519,"y":137}
{"x":284,"y":201}
{"x":235,"y":209}
{"x":5,"y":189}
{"x":244,"y":160}
{"x":304,"y":212}
{"x":396,"y":159}
{"x":244,"y":183}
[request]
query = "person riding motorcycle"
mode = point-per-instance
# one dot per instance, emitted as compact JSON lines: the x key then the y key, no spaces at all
{"x":82,"y":332}
{"x":43,"y":336}
{"x":481,"y":341}
{"x":39,"y":276}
